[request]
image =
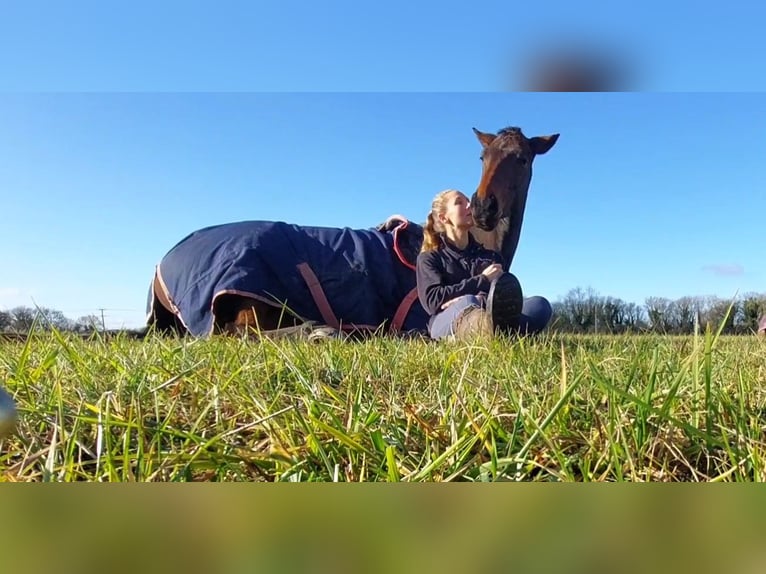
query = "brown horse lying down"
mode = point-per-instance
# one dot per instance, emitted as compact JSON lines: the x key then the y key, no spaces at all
{"x":273,"y":275}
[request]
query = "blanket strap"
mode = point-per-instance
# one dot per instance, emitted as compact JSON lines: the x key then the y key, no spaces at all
{"x":318,"y":294}
{"x":326,"y":310}
{"x":398,"y":251}
{"x":403,"y":309}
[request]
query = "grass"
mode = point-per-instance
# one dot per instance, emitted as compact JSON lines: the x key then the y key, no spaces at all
{"x":556,"y":408}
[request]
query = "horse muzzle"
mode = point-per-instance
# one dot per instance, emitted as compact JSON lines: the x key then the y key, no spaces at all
{"x":485,"y":212}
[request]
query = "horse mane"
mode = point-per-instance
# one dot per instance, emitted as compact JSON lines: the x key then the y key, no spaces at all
{"x":510,"y":130}
{"x":513,"y":134}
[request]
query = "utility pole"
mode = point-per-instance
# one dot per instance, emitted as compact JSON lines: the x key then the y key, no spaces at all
{"x":595,"y":313}
{"x":103,"y":321}
{"x":696,"y":321}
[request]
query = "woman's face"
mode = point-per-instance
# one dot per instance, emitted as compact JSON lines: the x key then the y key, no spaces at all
{"x":458,"y":211}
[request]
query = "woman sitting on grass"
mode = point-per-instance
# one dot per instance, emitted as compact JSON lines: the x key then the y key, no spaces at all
{"x":461,"y":284}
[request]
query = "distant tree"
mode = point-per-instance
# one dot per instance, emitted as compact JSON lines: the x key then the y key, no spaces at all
{"x":22,"y":319}
{"x":634,"y":317}
{"x":613,"y":313}
{"x":6,"y":320}
{"x":54,"y":319}
{"x":581,"y":306}
{"x":752,"y":307}
{"x":87,"y":323}
{"x":717,"y":312}
{"x":684,"y":312}
{"x":660,"y":313}
{"x":561,"y":320}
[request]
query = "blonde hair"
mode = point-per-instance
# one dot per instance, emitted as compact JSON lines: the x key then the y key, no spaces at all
{"x":433,"y":226}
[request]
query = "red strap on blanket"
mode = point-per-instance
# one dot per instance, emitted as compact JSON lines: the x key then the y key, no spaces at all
{"x":403,"y":309}
{"x":398,"y":251}
{"x":326,"y":310}
{"x":318,"y":294}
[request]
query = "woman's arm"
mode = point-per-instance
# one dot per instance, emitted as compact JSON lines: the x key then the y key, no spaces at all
{"x":433,"y":291}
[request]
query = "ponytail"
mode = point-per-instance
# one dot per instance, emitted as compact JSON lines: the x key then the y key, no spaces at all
{"x":430,"y":235}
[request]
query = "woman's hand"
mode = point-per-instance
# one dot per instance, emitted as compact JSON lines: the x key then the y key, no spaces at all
{"x":448,"y":303}
{"x":493,"y":271}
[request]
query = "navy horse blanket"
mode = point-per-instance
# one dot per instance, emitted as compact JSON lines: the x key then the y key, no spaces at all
{"x":342,"y":277}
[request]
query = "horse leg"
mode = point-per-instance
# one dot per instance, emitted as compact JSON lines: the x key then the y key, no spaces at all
{"x":237,"y":314}
{"x":163,"y":317}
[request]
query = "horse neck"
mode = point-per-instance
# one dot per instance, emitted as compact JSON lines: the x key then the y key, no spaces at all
{"x":495,"y":240}
{"x":410,"y":242}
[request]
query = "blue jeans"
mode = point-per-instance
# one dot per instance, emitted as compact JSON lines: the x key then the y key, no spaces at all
{"x":536,"y":313}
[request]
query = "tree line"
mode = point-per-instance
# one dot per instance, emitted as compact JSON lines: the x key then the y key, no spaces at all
{"x":586,"y":311}
{"x":25,"y":319}
{"x":581,"y":310}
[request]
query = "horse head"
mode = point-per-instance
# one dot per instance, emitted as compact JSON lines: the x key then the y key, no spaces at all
{"x":500,"y":198}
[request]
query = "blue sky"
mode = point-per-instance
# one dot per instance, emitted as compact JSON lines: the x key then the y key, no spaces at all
{"x":644,"y":193}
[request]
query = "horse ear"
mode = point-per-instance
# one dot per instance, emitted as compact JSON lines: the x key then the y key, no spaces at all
{"x":541,"y":144}
{"x":485,"y":139}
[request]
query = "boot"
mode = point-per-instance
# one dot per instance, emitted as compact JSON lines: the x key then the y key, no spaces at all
{"x":504,"y":303}
{"x":473,"y":323}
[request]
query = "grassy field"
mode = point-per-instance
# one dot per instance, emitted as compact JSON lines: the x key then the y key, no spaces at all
{"x":556,"y":408}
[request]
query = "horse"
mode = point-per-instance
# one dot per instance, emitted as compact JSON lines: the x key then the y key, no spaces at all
{"x":273,"y":275}
{"x":266,"y":276}
{"x":500,"y":199}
